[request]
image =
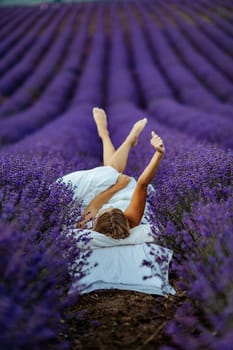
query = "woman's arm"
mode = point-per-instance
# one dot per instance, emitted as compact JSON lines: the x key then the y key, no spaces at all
{"x":136,"y":208}
{"x":102,"y":198}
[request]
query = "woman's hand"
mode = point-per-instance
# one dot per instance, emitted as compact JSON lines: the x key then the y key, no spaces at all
{"x":87,"y":216}
{"x":157,"y":142}
{"x":122,"y":181}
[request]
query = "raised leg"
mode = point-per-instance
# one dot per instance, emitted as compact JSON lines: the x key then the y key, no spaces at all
{"x":102,"y":127}
{"x":116,"y":158}
{"x":120,"y":157}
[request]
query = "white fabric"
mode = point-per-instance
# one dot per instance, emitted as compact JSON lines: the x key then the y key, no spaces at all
{"x":89,"y":183}
{"x":121,"y":267}
{"x":138,"y":235}
{"x":119,"y":262}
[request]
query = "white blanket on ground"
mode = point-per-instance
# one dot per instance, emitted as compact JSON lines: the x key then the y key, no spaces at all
{"x":122,"y":267}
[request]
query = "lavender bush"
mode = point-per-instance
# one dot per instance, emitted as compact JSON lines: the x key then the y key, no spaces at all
{"x":204,"y":249}
{"x":35,"y":255}
{"x":134,"y":59}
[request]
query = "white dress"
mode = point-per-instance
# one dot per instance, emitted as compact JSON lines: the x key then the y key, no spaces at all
{"x":89,"y":183}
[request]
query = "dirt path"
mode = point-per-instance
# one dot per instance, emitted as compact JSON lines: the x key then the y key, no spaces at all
{"x":121,"y":320}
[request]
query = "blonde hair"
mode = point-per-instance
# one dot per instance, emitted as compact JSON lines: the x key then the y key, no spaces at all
{"x":113,"y":224}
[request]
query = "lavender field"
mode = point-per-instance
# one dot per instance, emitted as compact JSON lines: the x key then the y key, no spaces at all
{"x":171,"y":61}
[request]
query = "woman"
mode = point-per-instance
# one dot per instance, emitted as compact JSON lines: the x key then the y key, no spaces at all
{"x":119,"y":204}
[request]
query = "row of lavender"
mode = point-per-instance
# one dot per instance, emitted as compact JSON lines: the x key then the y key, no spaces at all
{"x":195,"y":181}
{"x":162,"y":68}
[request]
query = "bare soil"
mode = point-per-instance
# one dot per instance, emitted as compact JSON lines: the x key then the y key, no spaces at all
{"x":115,"y":319}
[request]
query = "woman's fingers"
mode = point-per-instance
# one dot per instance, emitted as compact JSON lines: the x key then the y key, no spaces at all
{"x":126,"y":178}
{"x":156,"y":137}
{"x":123,"y":179}
{"x":157,"y":142}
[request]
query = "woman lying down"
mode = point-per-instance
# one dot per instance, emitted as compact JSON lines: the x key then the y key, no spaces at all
{"x":113,"y":203}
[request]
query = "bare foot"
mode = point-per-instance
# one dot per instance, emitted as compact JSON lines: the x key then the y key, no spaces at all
{"x":157,"y":142}
{"x":101,"y":121}
{"x":136,"y":131}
